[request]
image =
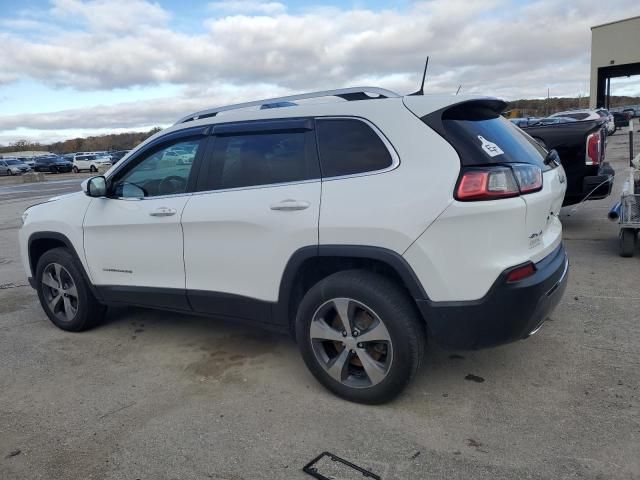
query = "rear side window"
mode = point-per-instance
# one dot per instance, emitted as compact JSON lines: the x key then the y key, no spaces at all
{"x":350,"y":146}
{"x":482,"y":136}
{"x":245,"y":160}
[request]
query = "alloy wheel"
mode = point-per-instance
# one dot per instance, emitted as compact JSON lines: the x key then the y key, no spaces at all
{"x":60,"y":292}
{"x":351,"y":342}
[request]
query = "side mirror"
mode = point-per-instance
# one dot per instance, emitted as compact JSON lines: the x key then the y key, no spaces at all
{"x":95,"y":187}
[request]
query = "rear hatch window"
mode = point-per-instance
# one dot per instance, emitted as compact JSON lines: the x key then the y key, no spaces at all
{"x":481,"y":136}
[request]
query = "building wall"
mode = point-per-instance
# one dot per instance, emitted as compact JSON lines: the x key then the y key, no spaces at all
{"x":618,"y":42}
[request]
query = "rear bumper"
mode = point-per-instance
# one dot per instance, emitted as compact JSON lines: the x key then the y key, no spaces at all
{"x":508,"y":312}
{"x":596,"y":187}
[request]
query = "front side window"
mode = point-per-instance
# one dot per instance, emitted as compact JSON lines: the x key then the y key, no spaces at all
{"x":164,"y":172}
{"x":349,"y":146}
{"x":245,"y":160}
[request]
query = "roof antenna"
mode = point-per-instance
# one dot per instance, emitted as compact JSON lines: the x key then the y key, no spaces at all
{"x":424,"y":77}
{"x":459,"y":87}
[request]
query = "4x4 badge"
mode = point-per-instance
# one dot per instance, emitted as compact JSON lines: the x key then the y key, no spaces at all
{"x":490,"y":148}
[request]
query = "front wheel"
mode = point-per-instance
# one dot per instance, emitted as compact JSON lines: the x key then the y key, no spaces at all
{"x":360,"y":336}
{"x":93,"y":169}
{"x":63,"y":292}
{"x":9,"y":172}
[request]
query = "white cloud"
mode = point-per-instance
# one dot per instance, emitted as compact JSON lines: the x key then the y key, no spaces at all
{"x":247,"y":7}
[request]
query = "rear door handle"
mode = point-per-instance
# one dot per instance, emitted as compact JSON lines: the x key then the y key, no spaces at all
{"x":290,"y":205}
{"x":163,"y":212}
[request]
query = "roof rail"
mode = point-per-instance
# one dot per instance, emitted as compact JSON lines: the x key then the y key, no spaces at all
{"x":350,"y":94}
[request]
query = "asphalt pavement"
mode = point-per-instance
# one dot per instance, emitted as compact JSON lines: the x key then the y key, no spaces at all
{"x":153,"y":395}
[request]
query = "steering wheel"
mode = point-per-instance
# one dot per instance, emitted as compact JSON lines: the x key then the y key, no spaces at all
{"x":172,"y":184}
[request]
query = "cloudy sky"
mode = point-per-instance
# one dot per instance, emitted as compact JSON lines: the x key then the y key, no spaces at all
{"x":80,"y":67}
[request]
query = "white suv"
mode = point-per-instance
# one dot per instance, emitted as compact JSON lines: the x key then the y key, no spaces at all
{"x":361,"y":226}
{"x":90,"y":162}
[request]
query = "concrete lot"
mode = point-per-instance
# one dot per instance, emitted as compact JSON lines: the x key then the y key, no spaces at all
{"x":151,"y":395}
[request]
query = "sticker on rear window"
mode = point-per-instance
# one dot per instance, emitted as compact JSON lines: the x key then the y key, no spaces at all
{"x":490,"y":148}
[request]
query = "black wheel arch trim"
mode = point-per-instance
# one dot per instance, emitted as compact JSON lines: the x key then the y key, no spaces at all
{"x":67,"y":243}
{"x":393,"y":259}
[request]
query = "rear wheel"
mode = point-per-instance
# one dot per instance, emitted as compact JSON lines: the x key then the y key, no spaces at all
{"x":360,"y":335}
{"x":63,"y":292}
{"x":9,"y":172}
{"x":75,"y":169}
{"x":628,"y":239}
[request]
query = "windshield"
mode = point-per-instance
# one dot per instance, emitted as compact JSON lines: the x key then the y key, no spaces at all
{"x":13,"y":162}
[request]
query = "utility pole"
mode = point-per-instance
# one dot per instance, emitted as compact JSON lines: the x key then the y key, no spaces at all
{"x":547,"y":109}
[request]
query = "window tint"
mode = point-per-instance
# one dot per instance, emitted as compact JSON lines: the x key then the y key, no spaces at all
{"x":349,"y":146}
{"x":164,"y":172}
{"x":261,"y":159}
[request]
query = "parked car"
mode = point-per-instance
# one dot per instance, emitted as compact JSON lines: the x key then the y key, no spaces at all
{"x":524,"y":122}
{"x":611,"y":125}
{"x":630,"y":111}
{"x":116,"y":156}
{"x":52,"y":164}
{"x":583,"y":114}
{"x":621,"y":119}
{"x":89,"y":163}
{"x":552,"y":121}
{"x":356,"y":225}
{"x":28,"y":160}
{"x":581,"y":148}
{"x":13,"y":166}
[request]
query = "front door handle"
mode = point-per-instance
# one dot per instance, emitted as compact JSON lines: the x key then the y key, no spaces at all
{"x":290,"y":205}
{"x":163,"y":212}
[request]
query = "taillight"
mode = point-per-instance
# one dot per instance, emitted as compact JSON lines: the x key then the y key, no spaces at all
{"x":494,"y":182}
{"x":521,"y":273}
{"x":529,"y":177}
{"x":593,"y":149}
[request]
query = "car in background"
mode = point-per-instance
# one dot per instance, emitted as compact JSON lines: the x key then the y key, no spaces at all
{"x":611,"y":125}
{"x":52,"y":164}
{"x":630,"y":111}
{"x":581,"y":148}
{"x":621,"y":119}
{"x":524,"y":122}
{"x":578,"y":114}
{"x":13,"y":166}
{"x":118,"y":155}
{"x":90,"y":163}
{"x":28,"y":160}
{"x":553,"y":121}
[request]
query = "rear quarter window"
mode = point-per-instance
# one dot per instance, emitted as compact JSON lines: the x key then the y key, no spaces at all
{"x":350,"y":146}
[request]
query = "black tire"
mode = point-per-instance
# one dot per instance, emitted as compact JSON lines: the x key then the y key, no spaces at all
{"x":88,"y":311}
{"x":75,"y":170}
{"x":93,"y":169}
{"x":10,"y":172}
{"x":628,"y":239}
{"x":397,"y":313}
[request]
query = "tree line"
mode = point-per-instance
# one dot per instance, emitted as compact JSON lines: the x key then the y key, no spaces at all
{"x":110,"y":142}
{"x":541,"y":107}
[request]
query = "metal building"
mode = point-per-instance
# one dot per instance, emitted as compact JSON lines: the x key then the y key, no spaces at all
{"x":615,"y":52}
